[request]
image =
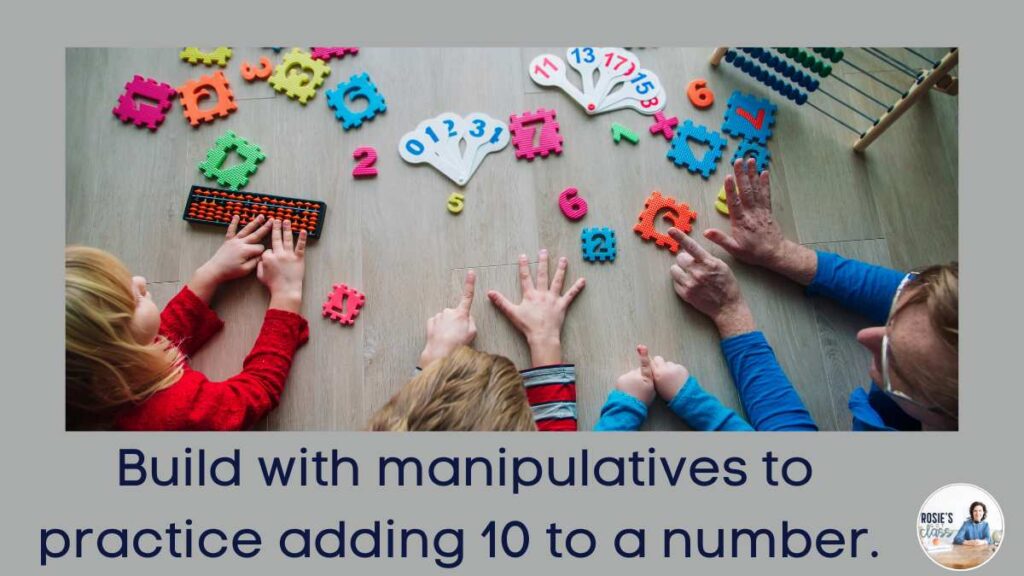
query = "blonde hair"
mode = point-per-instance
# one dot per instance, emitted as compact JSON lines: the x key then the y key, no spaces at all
{"x":106,"y":368}
{"x":468,"y":390}
{"x":938,"y":289}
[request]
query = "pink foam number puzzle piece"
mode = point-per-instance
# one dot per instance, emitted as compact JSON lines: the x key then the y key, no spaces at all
{"x":367,"y":156}
{"x":572,"y":204}
{"x":141,"y":113}
{"x":523,"y":129}
{"x":664,"y":125}
{"x":328,"y":52}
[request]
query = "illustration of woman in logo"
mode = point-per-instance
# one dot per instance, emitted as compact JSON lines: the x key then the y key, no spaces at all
{"x":974,"y":531}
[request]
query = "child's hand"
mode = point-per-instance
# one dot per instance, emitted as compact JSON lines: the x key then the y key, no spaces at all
{"x":541,"y":313}
{"x":706,"y":283}
{"x":282,"y":266}
{"x":236,"y":257}
{"x":669,"y":377}
{"x":639,"y":382}
{"x":451,"y":327}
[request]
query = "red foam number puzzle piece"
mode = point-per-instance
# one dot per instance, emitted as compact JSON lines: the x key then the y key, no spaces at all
{"x":523,"y":130}
{"x":666,"y":126}
{"x":365,"y":169}
{"x":678,"y":214}
{"x":572,"y":204}
{"x":142,"y":114}
{"x":262,"y":73}
{"x":343,"y":304}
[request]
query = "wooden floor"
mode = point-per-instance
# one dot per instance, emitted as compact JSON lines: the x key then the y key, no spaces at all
{"x":392,"y":237}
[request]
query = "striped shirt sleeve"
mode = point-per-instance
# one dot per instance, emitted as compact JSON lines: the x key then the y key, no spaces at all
{"x":551,"y":391}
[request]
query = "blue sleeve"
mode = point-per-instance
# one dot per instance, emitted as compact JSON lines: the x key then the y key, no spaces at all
{"x":961,"y":535}
{"x":767,"y":395}
{"x":864,"y":288}
{"x":986,"y":534}
{"x":621,"y":412}
{"x":704,"y":412}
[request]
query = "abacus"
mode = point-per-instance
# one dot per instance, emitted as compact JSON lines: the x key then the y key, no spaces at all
{"x":216,"y":206}
{"x":803,"y":72}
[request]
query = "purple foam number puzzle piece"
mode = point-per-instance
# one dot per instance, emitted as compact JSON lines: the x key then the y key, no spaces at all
{"x":140,"y":113}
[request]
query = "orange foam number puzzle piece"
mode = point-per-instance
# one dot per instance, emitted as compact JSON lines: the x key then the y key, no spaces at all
{"x":678,"y":214}
{"x":343,"y":304}
{"x":262,"y":73}
{"x":193,"y":91}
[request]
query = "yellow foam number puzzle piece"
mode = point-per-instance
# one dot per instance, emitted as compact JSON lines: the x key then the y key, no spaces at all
{"x":218,"y":56}
{"x":456,"y":202}
{"x":720,"y":204}
{"x":290,"y":76}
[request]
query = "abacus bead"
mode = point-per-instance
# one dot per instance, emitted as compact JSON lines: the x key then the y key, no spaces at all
{"x":826,"y":70}
{"x":837,"y":56}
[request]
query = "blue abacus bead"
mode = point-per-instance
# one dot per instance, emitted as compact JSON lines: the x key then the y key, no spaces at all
{"x":762,"y":75}
{"x":814,"y":85}
{"x":757,"y":52}
{"x":801,"y":98}
{"x":730,"y":56}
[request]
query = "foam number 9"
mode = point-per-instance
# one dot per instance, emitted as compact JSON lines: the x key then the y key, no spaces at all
{"x":699,"y":94}
{"x":572,"y":204}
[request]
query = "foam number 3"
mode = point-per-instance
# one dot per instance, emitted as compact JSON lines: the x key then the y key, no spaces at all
{"x":367,"y":156}
{"x":549,"y":70}
{"x":572,"y":204}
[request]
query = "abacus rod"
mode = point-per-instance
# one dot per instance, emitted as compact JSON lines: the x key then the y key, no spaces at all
{"x":931,"y":62}
{"x":851,"y":128}
{"x":899,"y":66}
{"x":869,"y":118}
{"x":863,"y":93}
{"x":872,"y":76}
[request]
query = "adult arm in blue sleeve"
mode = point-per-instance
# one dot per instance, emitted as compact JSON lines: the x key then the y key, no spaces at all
{"x":621,"y":412}
{"x":767,"y":395}
{"x":864,"y":288}
{"x":705,"y":412}
{"x":962,"y":534}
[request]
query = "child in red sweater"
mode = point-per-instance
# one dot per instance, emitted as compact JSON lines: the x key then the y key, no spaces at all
{"x":126,"y":363}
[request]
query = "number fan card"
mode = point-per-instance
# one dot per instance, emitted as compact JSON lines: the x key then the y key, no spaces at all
{"x":439,"y":142}
{"x":610,"y":79}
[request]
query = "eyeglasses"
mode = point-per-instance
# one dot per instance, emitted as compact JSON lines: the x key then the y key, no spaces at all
{"x":887,"y":355}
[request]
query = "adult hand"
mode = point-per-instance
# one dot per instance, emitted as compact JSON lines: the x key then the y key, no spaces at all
{"x":706,"y":283}
{"x":236,"y":257}
{"x":541,"y":313}
{"x":639,"y":382}
{"x":282,"y":266}
{"x":451,"y":327}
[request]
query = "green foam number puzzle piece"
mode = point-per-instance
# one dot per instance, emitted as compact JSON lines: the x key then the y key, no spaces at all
{"x":619,"y":132}
{"x":236,"y":176}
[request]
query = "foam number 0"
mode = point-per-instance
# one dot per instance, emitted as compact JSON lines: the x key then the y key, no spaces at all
{"x":456,"y":202}
{"x":699,"y":94}
{"x":367,"y":157}
{"x":572,"y":204}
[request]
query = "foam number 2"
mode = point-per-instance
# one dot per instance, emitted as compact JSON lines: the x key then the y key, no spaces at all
{"x":699,"y":94}
{"x":572,"y":204}
{"x":367,"y":157}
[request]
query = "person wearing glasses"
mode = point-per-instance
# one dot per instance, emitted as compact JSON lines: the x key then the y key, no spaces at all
{"x":914,"y":344}
{"x":974,"y":531}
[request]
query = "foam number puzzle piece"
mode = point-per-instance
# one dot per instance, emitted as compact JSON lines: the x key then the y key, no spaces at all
{"x":328,"y":52}
{"x":619,"y":132}
{"x":358,"y":86}
{"x":140,"y":113}
{"x":368,"y":156}
{"x":299,"y":75}
{"x":572,"y":205}
{"x":598,"y":244}
{"x":759,"y":152}
{"x":456,"y":201}
{"x":678,"y":214}
{"x":343,"y":304}
{"x":720,"y":203}
{"x":749,"y":117}
{"x":218,"y":56}
{"x":262,"y":73}
{"x":699,"y":94}
{"x":195,"y":90}
{"x":682,"y":155}
{"x":664,"y":126}
{"x":236,"y":176}
{"x":523,"y":129}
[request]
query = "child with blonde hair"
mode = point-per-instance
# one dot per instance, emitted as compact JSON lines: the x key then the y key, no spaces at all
{"x":458,"y":388}
{"x":126,"y":362}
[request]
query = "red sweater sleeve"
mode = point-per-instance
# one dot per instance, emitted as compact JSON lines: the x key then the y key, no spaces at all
{"x":188,"y":322}
{"x":196,"y":403}
{"x":551,"y":391}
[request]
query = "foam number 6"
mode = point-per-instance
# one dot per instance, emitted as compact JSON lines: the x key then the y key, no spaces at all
{"x":699,"y":94}
{"x":365,"y":169}
{"x":572,"y":204}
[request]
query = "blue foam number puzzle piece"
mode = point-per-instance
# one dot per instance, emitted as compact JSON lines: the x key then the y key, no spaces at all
{"x":598,"y":244}
{"x":755,"y":150}
{"x":749,"y":117}
{"x":358,"y":86}
{"x":682,"y":155}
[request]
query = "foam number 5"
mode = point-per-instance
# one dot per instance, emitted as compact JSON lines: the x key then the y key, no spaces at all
{"x":549,"y":70}
{"x":699,"y":94}
{"x":367,"y":156}
{"x":456,"y":202}
{"x":572,"y":204}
